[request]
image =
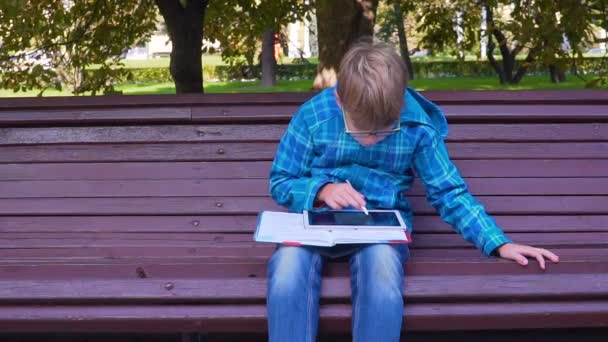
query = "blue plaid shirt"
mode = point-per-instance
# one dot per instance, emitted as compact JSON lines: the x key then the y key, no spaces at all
{"x":316,"y":150}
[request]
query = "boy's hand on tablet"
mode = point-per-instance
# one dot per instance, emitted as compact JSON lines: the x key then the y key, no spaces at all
{"x":340,"y":195}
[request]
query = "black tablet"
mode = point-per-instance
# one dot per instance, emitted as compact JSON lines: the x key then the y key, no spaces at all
{"x":336,"y":219}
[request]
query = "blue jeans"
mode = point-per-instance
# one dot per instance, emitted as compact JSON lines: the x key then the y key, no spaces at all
{"x":294,"y":286}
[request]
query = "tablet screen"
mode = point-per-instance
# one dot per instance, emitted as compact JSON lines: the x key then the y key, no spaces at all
{"x":353,"y":218}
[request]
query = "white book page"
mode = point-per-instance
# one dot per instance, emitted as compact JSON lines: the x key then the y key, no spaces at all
{"x":367,"y":235}
{"x":279,"y":227}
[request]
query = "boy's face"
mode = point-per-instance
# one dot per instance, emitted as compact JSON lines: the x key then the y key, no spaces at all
{"x":366,"y":137}
{"x":362,"y":135}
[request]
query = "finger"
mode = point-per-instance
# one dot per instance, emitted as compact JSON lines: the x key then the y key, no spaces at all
{"x":541,"y":260}
{"x":354,"y":191}
{"x":341,"y":201}
{"x":350,"y":196}
{"x":535,"y":253}
{"x":520,"y":259}
{"x":354,"y":199}
{"x":550,"y":255}
{"x":333,"y":204}
{"x":356,"y":195}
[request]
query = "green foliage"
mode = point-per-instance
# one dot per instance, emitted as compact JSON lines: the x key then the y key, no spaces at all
{"x":536,"y":28}
{"x":438,"y":21}
{"x":49,"y":43}
{"x":427,"y":70}
{"x":239,"y":25}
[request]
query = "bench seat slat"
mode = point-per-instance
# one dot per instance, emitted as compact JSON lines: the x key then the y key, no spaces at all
{"x":77,"y":240}
{"x":266,"y":151}
{"x":259,"y":187}
{"x":230,"y":253}
{"x":247,"y":223}
{"x":419,"y":288}
{"x":94,"y":115}
{"x":260,"y":169}
{"x":273,"y":132}
{"x":573,"y":261}
{"x":531,"y":205}
{"x":334,"y":317}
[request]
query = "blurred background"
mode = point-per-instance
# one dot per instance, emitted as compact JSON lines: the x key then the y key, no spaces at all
{"x":95,"y":47}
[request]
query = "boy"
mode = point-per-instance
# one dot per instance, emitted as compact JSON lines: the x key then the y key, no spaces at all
{"x":373,"y":131}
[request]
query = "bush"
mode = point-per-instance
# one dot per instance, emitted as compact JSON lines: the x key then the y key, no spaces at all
{"x":422,"y":69}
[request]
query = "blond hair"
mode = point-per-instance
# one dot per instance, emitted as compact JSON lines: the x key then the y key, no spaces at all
{"x":371,"y":84}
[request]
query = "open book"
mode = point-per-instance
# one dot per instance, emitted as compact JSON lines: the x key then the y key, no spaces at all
{"x":289,"y":229}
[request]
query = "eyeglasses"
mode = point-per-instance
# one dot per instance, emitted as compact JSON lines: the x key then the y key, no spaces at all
{"x":377,"y":134}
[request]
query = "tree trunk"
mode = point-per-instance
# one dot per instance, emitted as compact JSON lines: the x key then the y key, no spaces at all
{"x":556,"y":74}
{"x":405,"y":51}
{"x":339,"y":24}
{"x":524,"y":65}
{"x":268,"y":60}
{"x":490,"y":47}
{"x":185,"y":26}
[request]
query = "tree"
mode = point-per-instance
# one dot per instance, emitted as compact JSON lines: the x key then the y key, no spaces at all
{"x":339,"y":24}
{"x":597,"y":10}
{"x":403,"y":48}
{"x":184,"y":20}
{"x":445,"y":27}
{"x":52,"y":43}
{"x":533,"y":28}
{"x":240,"y":26}
{"x":390,"y":18}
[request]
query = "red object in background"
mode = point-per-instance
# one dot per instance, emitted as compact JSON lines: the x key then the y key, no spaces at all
{"x":277,"y":47}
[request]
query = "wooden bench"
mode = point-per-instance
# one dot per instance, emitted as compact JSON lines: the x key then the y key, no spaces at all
{"x":136,"y":214}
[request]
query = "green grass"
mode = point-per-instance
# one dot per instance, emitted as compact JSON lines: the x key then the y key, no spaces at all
{"x":456,"y":83}
{"x":164,"y":62}
{"x":219,"y":87}
{"x":207,"y":60}
{"x":491,"y":83}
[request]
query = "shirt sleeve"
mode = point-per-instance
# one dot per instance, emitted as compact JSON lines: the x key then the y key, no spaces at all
{"x":447,"y":192}
{"x":291,"y":182}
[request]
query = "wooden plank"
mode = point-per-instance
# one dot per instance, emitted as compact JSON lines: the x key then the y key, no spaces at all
{"x":573,"y":261}
{"x":138,"y":152}
{"x":545,"y":111}
{"x":247,"y":223}
{"x":445,"y":289}
{"x":457,"y":113}
{"x":281,"y":113}
{"x":581,"y":259}
{"x":474,"y":97}
{"x":167,"y":170}
{"x":532,"y":168}
{"x":158,"y":100}
{"x":334,"y":317}
{"x":273,"y":132}
{"x":145,"y":134}
{"x":260,"y":187}
{"x":89,"y":115}
{"x":266,"y":151}
{"x":260,"y":169}
{"x":499,"y":205}
{"x":43,"y":240}
{"x":520,"y":132}
{"x":468,"y":97}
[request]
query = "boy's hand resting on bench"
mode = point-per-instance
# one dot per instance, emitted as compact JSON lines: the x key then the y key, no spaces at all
{"x":520,"y":253}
